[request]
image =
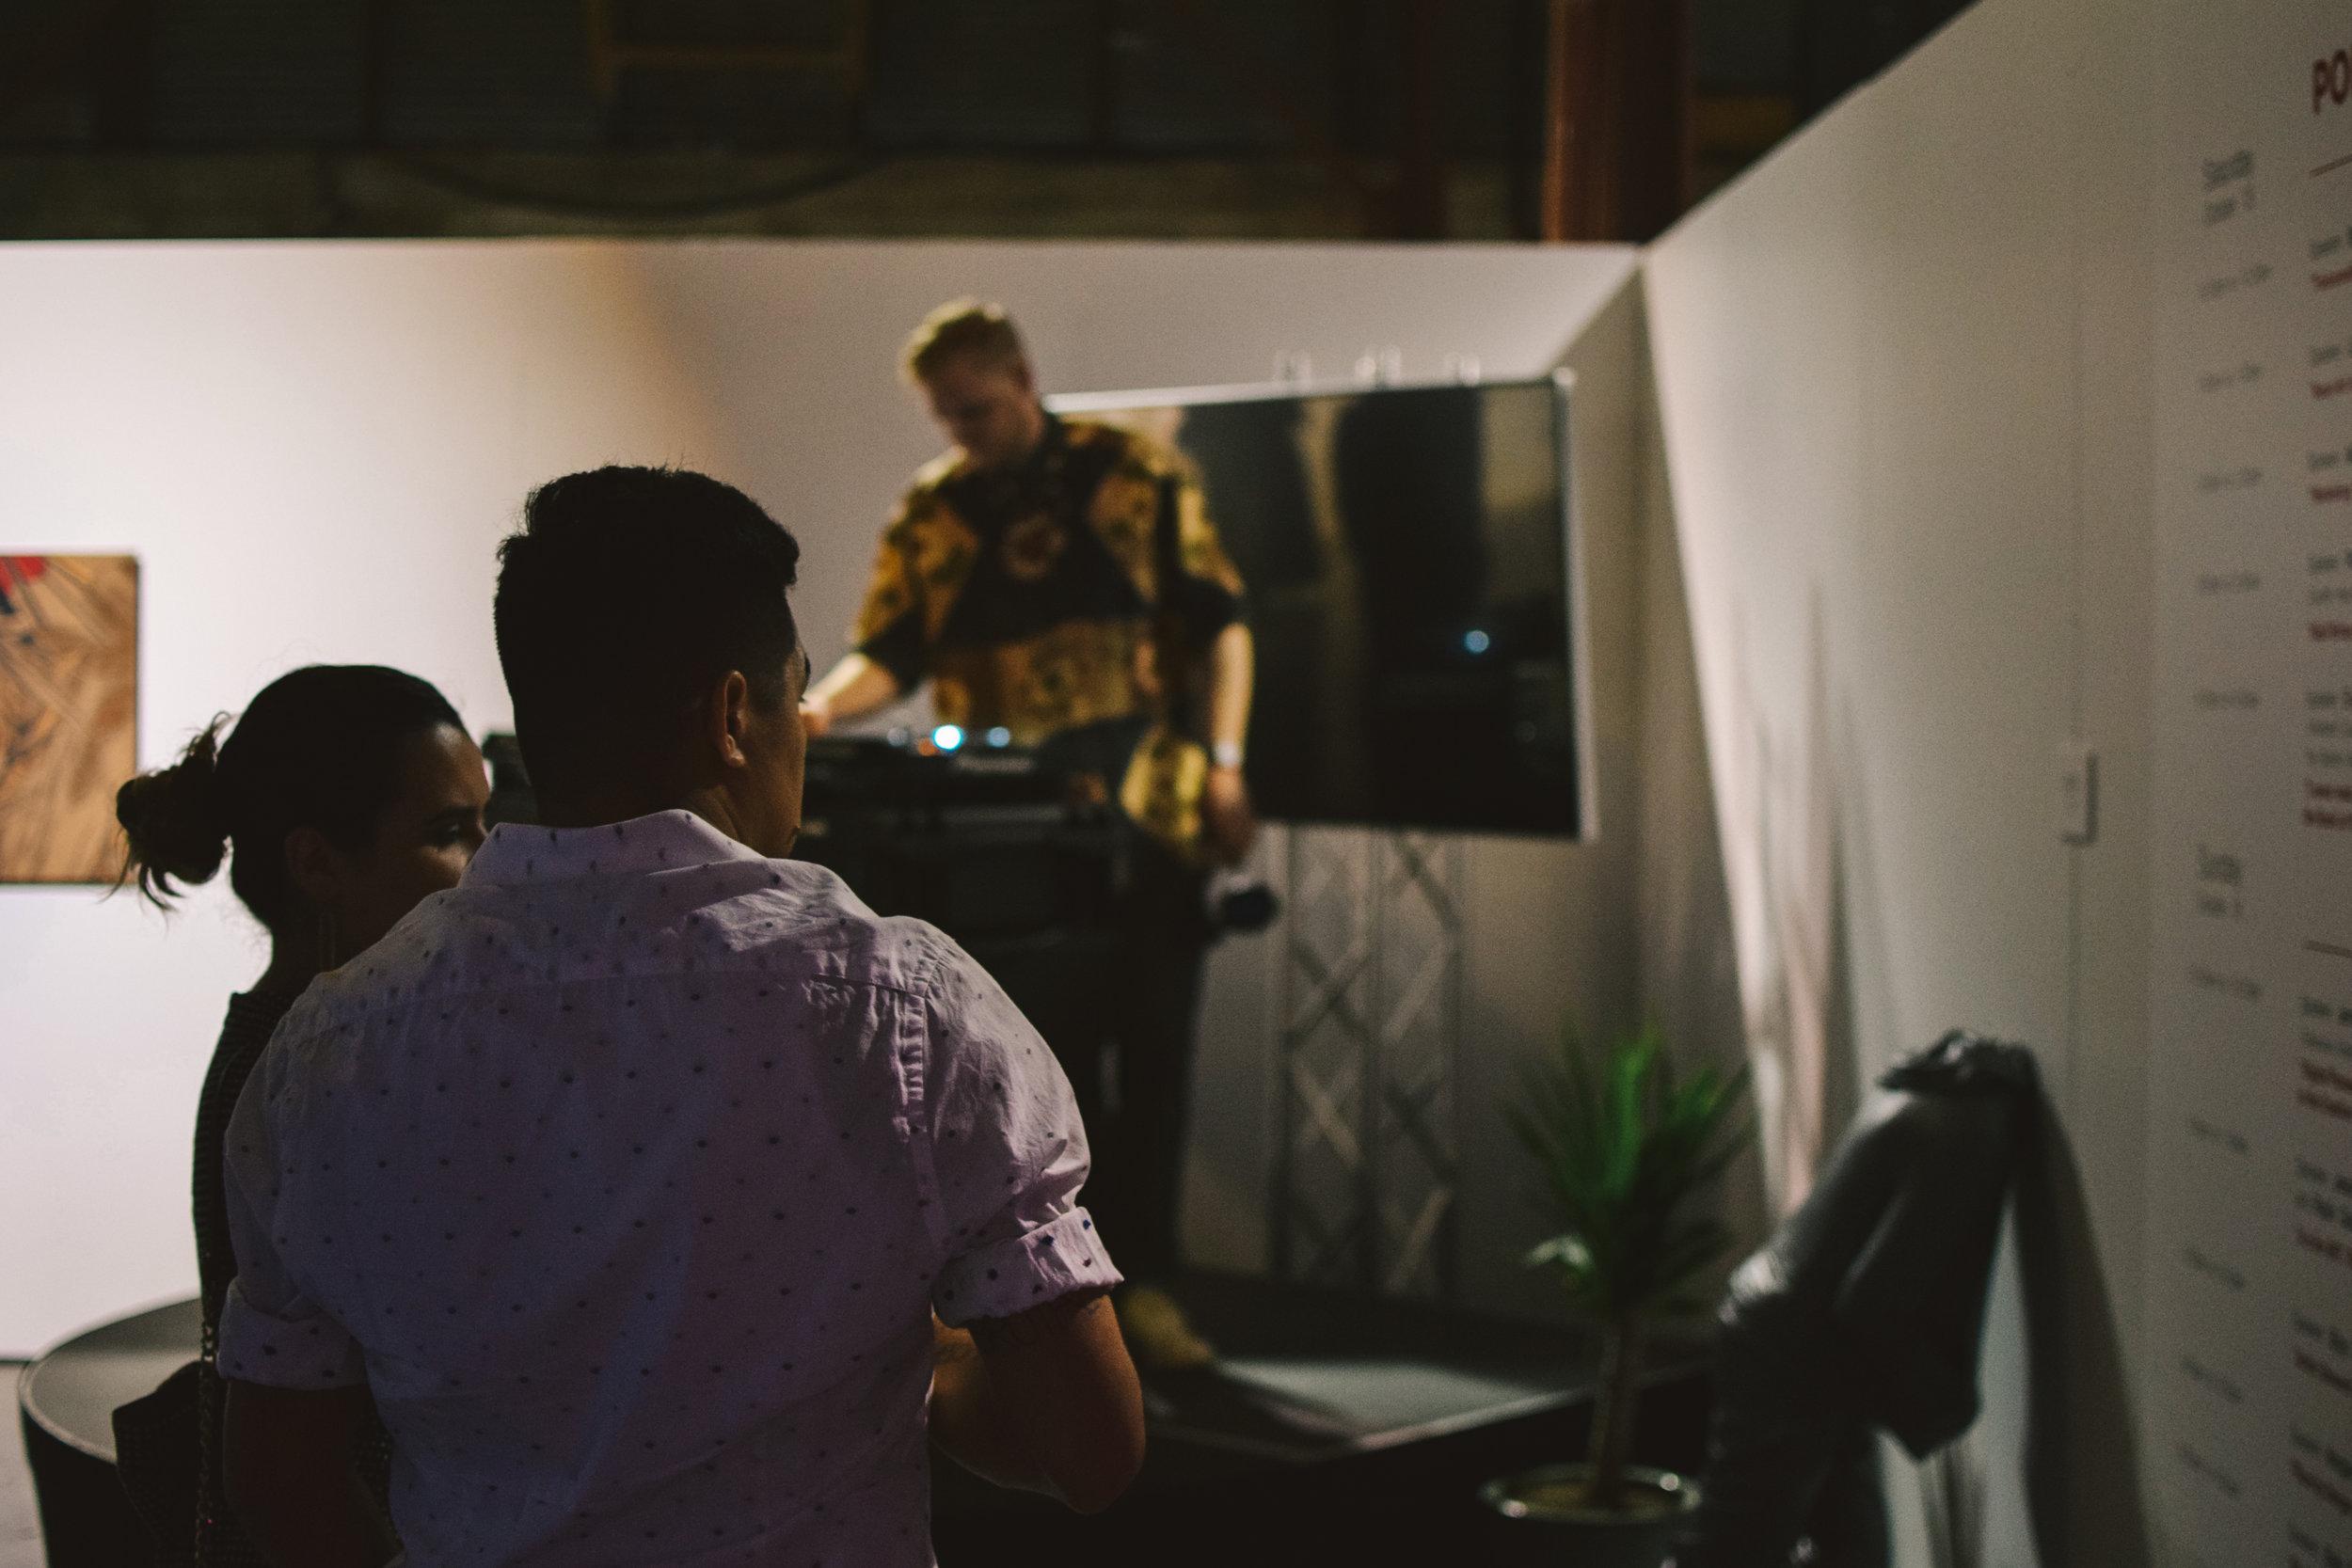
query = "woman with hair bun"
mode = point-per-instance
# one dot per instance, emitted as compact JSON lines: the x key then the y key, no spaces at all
{"x":345,"y":794}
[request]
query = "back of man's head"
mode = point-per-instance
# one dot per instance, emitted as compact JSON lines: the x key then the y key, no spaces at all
{"x":627,"y":594}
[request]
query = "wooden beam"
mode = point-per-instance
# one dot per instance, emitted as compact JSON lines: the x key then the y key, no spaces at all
{"x":1618,"y":144}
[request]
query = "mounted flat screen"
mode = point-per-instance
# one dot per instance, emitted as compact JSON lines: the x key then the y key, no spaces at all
{"x":1408,"y":560}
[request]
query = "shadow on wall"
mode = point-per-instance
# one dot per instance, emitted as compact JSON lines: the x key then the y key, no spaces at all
{"x":1688,"y":958}
{"x":1764,"y":920}
{"x":1861,"y":1006}
{"x":2080,"y":1449}
{"x":1827,"y":1009}
{"x":1795,"y":854}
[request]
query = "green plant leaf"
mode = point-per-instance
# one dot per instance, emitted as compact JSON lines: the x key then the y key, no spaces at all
{"x":1620,"y":1146}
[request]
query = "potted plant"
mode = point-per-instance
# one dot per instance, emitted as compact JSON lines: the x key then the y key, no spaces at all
{"x":1623,"y":1146}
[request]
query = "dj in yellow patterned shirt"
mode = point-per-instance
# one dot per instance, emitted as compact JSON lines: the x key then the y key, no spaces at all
{"x":1021,"y":578}
{"x":1059,"y":579}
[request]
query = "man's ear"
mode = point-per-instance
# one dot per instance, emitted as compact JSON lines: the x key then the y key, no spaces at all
{"x":1024,"y":376}
{"x":729,"y":719}
{"x":313,"y":867}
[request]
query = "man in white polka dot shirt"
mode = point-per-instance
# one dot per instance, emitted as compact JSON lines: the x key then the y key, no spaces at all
{"x":638,"y":1178}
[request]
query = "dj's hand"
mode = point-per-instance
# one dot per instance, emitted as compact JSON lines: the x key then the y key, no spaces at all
{"x":1228,"y":822}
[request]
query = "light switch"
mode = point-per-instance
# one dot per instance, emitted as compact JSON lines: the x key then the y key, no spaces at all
{"x":2078,"y":792}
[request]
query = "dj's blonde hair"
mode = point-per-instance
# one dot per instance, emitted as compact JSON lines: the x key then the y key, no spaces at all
{"x":959,"y":329}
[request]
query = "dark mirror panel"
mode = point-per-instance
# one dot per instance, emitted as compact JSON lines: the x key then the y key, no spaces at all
{"x":1405,"y":555}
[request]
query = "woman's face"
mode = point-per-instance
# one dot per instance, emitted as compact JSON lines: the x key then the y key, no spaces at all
{"x":422,"y":840}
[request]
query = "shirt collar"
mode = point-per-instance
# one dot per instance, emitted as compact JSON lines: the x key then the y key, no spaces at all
{"x":1035,"y":466}
{"x":1053,"y":447}
{"x":666,"y":841}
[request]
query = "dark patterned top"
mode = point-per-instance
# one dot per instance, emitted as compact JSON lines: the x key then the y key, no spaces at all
{"x":252,"y":1016}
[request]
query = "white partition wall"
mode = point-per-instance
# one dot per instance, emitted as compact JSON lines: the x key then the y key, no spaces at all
{"x":2249,"y":1283}
{"x":315,"y":447}
{"x":312,"y":450}
{"x":1903,"y":368}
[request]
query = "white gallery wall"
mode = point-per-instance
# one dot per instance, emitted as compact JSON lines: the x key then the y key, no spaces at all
{"x":2248,"y":1315}
{"x":1903,"y":377}
{"x":313,"y":449}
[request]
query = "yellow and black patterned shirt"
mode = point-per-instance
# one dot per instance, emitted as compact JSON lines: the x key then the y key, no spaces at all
{"x":1027,"y":597}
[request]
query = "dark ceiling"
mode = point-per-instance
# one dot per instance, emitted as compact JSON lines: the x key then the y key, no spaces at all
{"x":465,"y":115}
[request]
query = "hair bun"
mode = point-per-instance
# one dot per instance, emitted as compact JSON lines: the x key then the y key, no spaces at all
{"x":176,"y":819}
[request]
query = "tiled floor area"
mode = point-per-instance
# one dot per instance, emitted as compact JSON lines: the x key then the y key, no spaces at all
{"x":20,"y":1528}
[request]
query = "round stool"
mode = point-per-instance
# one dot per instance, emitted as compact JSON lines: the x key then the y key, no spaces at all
{"x":67,"y":1401}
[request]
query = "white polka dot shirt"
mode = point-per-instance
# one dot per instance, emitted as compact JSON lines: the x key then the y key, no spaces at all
{"x":627,"y":1175}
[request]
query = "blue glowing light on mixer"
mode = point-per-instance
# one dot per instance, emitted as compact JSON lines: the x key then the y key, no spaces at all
{"x":948,"y":737}
{"x":1000,"y":738}
{"x":1476,"y":642}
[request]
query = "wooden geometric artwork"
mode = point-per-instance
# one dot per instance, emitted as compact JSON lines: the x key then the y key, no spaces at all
{"x":69,"y":686}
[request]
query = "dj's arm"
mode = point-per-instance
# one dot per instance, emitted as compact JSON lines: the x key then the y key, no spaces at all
{"x":1232,"y":674}
{"x":851,"y":689}
{"x":1227,"y":817}
{"x":888,"y":641}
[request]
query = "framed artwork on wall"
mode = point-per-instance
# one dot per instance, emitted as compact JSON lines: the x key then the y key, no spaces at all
{"x":69,"y":713}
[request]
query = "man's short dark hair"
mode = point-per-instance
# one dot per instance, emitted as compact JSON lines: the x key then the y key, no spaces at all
{"x":625,"y":595}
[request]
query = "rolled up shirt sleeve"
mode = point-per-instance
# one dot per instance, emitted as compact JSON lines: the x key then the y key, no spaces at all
{"x":1007,"y":1154}
{"x":271,"y":1332}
